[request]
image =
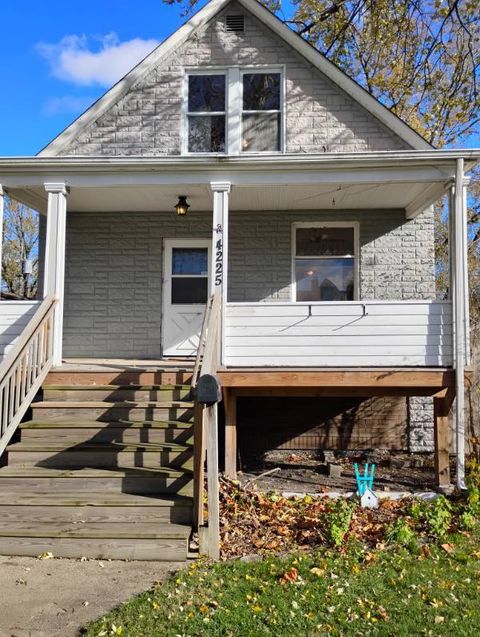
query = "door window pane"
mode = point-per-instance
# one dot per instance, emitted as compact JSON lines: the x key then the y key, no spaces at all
{"x":261,"y":91}
{"x":206,"y":93}
{"x":327,"y":241}
{"x":190,"y":261}
{"x":324,"y":279}
{"x":206,"y":133}
{"x":189,"y":290}
{"x":261,"y":132}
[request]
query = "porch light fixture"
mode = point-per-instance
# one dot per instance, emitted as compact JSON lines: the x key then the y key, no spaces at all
{"x":182,"y":206}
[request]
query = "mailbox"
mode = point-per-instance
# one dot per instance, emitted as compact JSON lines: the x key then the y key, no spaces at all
{"x":208,"y":390}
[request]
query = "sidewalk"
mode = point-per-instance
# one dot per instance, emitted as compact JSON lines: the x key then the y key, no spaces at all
{"x":57,"y":597}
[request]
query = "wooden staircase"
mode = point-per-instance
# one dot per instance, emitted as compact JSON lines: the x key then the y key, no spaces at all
{"x":104,"y":468}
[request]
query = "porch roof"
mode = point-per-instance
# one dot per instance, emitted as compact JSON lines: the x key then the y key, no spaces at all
{"x":407,"y":180}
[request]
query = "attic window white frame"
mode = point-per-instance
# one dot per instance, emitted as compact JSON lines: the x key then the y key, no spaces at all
{"x":355,"y":225}
{"x":234,"y":108}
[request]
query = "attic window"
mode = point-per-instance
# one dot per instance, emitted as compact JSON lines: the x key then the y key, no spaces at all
{"x":235,"y":23}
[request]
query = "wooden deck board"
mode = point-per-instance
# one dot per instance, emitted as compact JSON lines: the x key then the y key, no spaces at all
{"x":428,"y":380}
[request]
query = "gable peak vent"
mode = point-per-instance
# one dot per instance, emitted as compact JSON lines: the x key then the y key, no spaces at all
{"x":235,"y":23}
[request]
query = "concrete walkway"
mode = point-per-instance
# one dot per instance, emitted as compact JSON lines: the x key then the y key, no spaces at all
{"x":58,"y":597}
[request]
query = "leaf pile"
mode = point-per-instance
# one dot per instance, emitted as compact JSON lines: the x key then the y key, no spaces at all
{"x":259,"y":523}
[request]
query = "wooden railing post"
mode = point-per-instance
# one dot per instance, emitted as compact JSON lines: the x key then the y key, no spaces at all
{"x":206,"y":433}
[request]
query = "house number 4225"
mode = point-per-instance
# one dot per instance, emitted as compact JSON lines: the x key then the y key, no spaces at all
{"x":219,"y":258}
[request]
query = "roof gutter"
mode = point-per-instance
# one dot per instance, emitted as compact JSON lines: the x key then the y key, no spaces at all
{"x":72,"y":164}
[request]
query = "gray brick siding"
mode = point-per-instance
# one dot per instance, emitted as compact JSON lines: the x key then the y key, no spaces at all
{"x":114,"y":268}
{"x":320,"y":117}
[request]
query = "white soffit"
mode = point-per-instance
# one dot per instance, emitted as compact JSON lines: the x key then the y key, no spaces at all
{"x":408,"y":197}
{"x":349,"y":86}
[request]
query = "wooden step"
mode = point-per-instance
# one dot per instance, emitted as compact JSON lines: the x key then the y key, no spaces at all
{"x":116,"y":393}
{"x":162,"y":480}
{"x":90,"y":454}
{"x":94,"y":507}
{"x":107,"y":411}
{"x":123,"y":540}
{"x":96,"y":431}
{"x":129,"y":376}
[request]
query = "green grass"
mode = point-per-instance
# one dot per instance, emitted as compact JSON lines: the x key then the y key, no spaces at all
{"x":390,"y":592}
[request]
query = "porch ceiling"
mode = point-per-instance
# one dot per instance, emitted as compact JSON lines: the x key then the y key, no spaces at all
{"x":329,"y":196}
{"x":405,"y":180}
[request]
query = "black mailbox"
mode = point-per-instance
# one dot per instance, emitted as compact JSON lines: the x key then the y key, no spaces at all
{"x":208,"y":390}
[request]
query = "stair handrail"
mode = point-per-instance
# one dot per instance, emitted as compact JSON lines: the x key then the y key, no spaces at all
{"x":202,"y":342}
{"x":24,"y":369}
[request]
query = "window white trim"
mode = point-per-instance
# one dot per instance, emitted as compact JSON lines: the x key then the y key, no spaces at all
{"x":185,"y":111}
{"x":234,"y":107}
{"x":328,"y":224}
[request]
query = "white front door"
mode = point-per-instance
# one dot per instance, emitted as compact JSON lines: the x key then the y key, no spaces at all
{"x":185,"y":293}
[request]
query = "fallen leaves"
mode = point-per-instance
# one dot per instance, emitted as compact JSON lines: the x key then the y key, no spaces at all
{"x":448,"y":548}
{"x":45,"y":556}
{"x":259,"y":523}
{"x":289,"y":577}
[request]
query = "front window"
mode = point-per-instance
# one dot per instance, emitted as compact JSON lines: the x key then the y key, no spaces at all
{"x":324,"y":263}
{"x":234,"y":112}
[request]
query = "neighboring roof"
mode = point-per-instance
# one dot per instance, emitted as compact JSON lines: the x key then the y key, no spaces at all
{"x":202,"y":17}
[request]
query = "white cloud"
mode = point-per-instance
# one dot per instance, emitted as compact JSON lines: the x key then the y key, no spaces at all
{"x":89,"y":61}
{"x":67,"y":104}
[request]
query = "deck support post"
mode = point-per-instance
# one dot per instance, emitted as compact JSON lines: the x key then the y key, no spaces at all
{"x":211,"y":425}
{"x":441,"y":410}
{"x":54,"y":281}
{"x":460,"y":303}
{"x":230,"y":403}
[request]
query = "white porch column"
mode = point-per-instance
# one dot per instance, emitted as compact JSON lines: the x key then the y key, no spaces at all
{"x":460,"y":303}
{"x":219,"y":264}
{"x":54,"y":277}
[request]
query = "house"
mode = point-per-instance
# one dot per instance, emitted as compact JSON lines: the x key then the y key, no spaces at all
{"x":237,"y":208}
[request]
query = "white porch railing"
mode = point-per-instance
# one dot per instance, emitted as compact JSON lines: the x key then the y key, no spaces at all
{"x":14,"y":318}
{"x":24,"y":369}
{"x":339,"y":334}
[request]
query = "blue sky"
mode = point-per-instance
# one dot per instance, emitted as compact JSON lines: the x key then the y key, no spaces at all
{"x":58,"y":56}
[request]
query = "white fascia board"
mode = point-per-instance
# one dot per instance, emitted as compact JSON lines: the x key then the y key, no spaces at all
{"x":122,"y":87}
{"x":337,"y":76}
{"x":368,"y":159}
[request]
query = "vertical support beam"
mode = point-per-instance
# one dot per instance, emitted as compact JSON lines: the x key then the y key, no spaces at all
{"x":230,"y":403}
{"x":198,"y":464}
{"x":2,"y":210}
{"x":441,"y":409}
{"x":460,"y":309}
{"x":466,"y":291}
{"x":219,"y":282}
{"x":211,"y":425}
{"x":54,"y":280}
{"x":42,"y":234}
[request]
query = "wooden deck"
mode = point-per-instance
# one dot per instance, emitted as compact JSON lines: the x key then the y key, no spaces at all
{"x":435,"y":382}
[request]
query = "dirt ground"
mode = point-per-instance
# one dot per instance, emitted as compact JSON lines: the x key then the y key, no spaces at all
{"x":305,"y":472}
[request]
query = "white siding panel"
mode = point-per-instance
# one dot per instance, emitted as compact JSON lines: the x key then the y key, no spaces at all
{"x":14,"y":316}
{"x":416,"y":333}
